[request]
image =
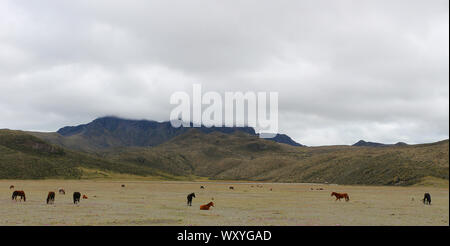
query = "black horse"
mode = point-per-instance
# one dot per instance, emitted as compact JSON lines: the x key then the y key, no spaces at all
{"x":51,"y":197}
{"x":189,"y":199}
{"x":76,"y":197}
{"x":427,"y":199}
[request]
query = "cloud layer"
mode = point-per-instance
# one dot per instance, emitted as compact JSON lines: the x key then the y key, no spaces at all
{"x":344,"y":70}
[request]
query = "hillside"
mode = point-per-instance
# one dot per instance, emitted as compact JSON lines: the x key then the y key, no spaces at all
{"x":241,"y":156}
{"x":227,"y":156}
{"x":23,"y":156}
{"x":113,"y":132}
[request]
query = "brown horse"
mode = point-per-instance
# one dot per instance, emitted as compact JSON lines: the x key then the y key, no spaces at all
{"x":85,"y":197}
{"x":231,"y":188}
{"x":51,"y":197}
{"x":20,"y":193}
{"x":206,"y":206}
{"x":61,"y":191}
{"x":11,"y":187}
{"x":340,"y":195}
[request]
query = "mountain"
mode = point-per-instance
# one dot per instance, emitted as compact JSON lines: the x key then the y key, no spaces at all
{"x":225,"y":156}
{"x":362,"y":143}
{"x":283,"y":138}
{"x":113,"y":132}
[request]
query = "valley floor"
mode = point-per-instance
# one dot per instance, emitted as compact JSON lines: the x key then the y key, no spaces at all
{"x":164,"y":203}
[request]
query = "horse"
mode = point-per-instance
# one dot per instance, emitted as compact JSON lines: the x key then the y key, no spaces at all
{"x":123,"y":185}
{"x":189,"y":199}
{"x":202,"y":187}
{"x":11,"y":187}
{"x":206,"y":206}
{"x":340,"y":195}
{"x":76,"y":197}
{"x":20,"y":193}
{"x":231,"y":188}
{"x":85,"y":197}
{"x":427,"y":199}
{"x":51,"y":197}
{"x":61,"y":191}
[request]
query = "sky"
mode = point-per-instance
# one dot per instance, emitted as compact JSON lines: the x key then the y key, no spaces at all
{"x":344,"y":70}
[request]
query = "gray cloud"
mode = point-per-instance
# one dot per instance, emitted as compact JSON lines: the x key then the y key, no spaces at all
{"x":344,"y":70}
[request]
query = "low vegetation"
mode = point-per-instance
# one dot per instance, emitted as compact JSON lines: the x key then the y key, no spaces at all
{"x":220,"y":156}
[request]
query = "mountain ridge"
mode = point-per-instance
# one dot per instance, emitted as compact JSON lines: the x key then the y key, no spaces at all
{"x":111,"y":131}
{"x":225,"y":156}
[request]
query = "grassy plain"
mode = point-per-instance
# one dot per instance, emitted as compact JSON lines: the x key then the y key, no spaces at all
{"x":164,"y":203}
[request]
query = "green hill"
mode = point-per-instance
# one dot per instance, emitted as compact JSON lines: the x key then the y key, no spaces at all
{"x":227,"y":156}
{"x":243,"y":157}
{"x":23,"y":156}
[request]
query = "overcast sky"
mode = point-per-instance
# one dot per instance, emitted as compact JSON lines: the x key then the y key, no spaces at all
{"x":345,"y":70}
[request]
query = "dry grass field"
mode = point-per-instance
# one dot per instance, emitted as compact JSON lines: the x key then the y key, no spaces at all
{"x":164,"y":203}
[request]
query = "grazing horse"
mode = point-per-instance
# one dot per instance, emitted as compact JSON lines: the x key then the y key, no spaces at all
{"x":189,"y":199}
{"x":206,"y":206}
{"x":20,"y":193}
{"x":231,"y":188}
{"x":51,"y":197}
{"x":340,"y":195}
{"x":85,"y":197}
{"x":61,"y":191}
{"x":11,"y":187}
{"x":427,"y":198}
{"x":202,"y":187}
{"x":76,"y":197}
{"x":123,"y":185}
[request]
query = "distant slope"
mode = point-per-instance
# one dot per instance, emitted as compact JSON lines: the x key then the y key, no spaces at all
{"x":113,"y":132}
{"x":241,"y":156}
{"x":362,"y":143}
{"x":23,"y":156}
{"x":227,"y":156}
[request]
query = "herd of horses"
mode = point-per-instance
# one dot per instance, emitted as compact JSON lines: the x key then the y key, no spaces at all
{"x":77,"y":196}
{"x":50,"y":197}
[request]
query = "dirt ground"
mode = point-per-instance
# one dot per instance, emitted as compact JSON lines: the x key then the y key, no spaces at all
{"x":164,"y":203}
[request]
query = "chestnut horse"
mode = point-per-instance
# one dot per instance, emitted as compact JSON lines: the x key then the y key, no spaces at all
{"x":61,"y":191}
{"x":11,"y":187}
{"x":20,"y":193}
{"x":340,"y":195}
{"x":51,"y":197}
{"x":206,"y":206}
